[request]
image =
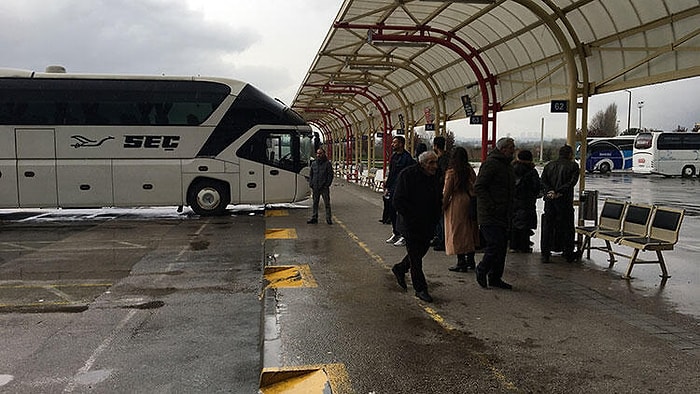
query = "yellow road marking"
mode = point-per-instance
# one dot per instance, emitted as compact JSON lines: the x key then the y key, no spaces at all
{"x":276,"y":212}
{"x":289,"y":276}
{"x":308,"y":379}
{"x":439,"y":319}
{"x":430,"y":311}
{"x":280,"y":233}
{"x":508,"y":385}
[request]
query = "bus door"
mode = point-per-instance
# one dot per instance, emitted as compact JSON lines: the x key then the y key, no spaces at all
{"x":251,"y":182}
{"x":36,"y":167}
{"x":280,"y":178}
{"x":267,"y":163}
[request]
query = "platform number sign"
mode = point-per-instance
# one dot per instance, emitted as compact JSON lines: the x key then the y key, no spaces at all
{"x":559,"y":106}
{"x":475,"y":119}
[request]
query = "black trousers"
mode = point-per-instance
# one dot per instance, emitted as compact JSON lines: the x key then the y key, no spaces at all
{"x":495,"y":249}
{"x":558,"y":230}
{"x":416,"y":249}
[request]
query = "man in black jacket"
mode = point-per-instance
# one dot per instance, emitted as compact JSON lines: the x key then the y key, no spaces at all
{"x":417,"y":199}
{"x":320,"y":180}
{"x":495,"y":187}
{"x":558,"y":180}
{"x":400,"y":160}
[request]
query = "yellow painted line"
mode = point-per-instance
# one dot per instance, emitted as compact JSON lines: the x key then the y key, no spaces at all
{"x":279,"y":276}
{"x":362,"y":245}
{"x":508,"y":385}
{"x":276,"y":212}
{"x":280,"y":233}
{"x":439,"y":319}
{"x":308,"y":379}
{"x":430,"y":311}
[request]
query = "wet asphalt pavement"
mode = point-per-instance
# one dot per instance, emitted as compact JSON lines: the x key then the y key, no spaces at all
{"x":564,"y":328}
{"x":161,"y":302}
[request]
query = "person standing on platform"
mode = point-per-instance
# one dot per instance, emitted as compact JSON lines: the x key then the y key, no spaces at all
{"x":461,"y":230}
{"x":417,"y":199}
{"x":495,"y":186}
{"x":527,"y":190}
{"x":320,"y":179}
{"x":558,"y":227}
{"x":400,"y":159}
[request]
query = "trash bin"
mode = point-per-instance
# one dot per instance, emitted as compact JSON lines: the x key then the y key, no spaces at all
{"x":588,"y":205}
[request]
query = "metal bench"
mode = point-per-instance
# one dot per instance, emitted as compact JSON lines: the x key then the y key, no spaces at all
{"x":635,"y":223}
{"x":663,"y":235}
{"x":610,"y":220}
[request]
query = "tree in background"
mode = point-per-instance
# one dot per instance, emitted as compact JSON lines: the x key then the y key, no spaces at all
{"x":449,"y":140}
{"x":604,"y":123}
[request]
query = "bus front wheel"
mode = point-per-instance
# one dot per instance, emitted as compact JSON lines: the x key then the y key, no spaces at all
{"x":604,"y":168}
{"x":208,"y":197}
{"x":688,"y":171}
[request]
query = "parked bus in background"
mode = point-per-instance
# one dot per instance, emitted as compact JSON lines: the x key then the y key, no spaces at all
{"x":609,"y":153}
{"x":669,"y":154}
{"x":81,"y":140}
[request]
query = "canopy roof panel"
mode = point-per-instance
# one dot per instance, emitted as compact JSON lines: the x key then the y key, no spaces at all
{"x":411,"y":55}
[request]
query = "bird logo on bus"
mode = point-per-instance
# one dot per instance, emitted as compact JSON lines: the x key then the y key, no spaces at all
{"x":82,"y":141}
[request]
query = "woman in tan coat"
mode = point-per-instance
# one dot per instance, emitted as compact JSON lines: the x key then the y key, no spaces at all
{"x":461,"y":230}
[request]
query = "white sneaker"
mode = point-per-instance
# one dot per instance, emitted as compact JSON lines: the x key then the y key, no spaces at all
{"x":393,"y":239}
{"x":400,"y":242}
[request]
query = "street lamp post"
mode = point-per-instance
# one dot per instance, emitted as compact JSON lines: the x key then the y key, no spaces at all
{"x":629,"y":108}
{"x":640,"y":104}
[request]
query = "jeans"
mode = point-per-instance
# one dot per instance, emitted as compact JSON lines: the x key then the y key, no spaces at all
{"x":326,"y":194}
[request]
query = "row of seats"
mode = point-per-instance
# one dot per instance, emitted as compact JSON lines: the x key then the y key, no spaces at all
{"x":642,"y":227}
{"x":372,"y":178}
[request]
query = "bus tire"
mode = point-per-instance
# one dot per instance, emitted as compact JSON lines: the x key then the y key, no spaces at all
{"x":208,"y":197}
{"x":604,"y":167}
{"x":688,"y":171}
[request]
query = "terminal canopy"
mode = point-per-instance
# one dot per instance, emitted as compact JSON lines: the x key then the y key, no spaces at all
{"x":390,"y":66}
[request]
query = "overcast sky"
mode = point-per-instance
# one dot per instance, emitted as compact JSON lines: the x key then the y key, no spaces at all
{"x":269,"y":43}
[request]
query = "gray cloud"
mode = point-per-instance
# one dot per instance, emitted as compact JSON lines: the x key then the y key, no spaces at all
{"x":131,"y":36}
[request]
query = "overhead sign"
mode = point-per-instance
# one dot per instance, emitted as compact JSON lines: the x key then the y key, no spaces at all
{"x":467,"y":104}
{"x":475,"y":119}
{"x":559,"y":106}
{"x":430,"y":127}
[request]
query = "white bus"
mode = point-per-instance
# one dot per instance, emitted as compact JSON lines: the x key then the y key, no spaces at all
{"x":81,"y":140}
{"x":667,"y":154}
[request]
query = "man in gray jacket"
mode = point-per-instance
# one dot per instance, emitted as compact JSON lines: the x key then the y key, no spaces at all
{"x":495,"y":187}
{"x":320,"y":180}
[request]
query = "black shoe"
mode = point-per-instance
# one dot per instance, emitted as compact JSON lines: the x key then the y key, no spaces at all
{"x":311,"y":221}
{"x":501,"y":284}
{"x":481,"y":279}
{"x":400,"y":277}
{"x":423,"y":295}
{"x":545,"y":259}
{"x":329,"y":221}
{"x":459,"y":268}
